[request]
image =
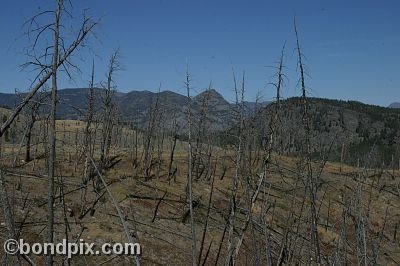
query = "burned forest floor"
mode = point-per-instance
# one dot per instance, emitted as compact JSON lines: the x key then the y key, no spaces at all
{"x":358,"y":209}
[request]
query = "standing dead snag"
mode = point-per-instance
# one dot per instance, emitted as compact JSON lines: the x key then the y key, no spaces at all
{"x":88,"y":144}
{"x":160,"y":146}
{"x":151,"y":133}
{"x":252,"y":191}
{"x":312,"y":182}
{"x":109,"y":108}
{"x":172,"y":174}
{"x":52,"y":132}
{"x":206,"y":222}
{"x":47,"y":63}
{"x":31,"y":113}
{"x":189,"y":187}
{"x":199,"y":164}
{"x":230,"y":257}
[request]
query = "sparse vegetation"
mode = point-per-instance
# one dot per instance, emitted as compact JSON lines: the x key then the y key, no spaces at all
{"x":196,"y":180}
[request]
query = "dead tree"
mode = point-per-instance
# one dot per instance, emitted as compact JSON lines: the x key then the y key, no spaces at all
{"x":46,"y":70}
{"x":52,"y":132}
{"x":198,"y":153}
{"x":88,"y":144}
{"x":32,"y":115}
{"x":312,"y":182}
{"x":189,"y":186}
{"x":160,"y":145}
{"x":268,"y":146}
{"x":230,"y":257}
{"x":172,"y":174}
{"x":205,"y":227}
{"x":109,"y":107}
{"x":153,"y":123}
{"x":47,"y":63}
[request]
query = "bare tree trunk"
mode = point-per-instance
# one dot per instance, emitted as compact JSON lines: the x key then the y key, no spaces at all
{"x":190,"y":171}
{"x":206,"y":221}
{"x":52,"y":134}
{"x":150,"y":135}
{"x":87,"y":145}
{"x":171,"y":174}
{"x":311,"y":179}
{"x":108,"y":108}
{"x":171,"y":158}
{"x":198,"y":164}
{"x":32,"y":114}
{"x":229,"y":259}
{"x":28,"y":137}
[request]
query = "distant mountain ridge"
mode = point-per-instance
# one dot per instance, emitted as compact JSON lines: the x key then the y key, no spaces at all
{"x":394,"y":105}
{"x":134,"y":106}
{"x":361,"y":128}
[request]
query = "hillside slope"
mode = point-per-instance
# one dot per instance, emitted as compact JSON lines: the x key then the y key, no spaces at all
{"x":394,"y":105}
{"x":357,"y":132}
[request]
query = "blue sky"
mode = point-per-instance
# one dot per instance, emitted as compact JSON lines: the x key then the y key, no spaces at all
{"x":351,"y":47}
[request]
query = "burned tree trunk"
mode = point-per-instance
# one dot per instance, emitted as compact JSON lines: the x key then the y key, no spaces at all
{"x":52,"y":134}
{"x":108,"y":108}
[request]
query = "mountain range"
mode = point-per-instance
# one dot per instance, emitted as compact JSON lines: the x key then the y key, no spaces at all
{"x":349,"y":129}
{"x":135,"y":106}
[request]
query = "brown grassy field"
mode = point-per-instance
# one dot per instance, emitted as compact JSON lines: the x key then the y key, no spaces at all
{"x":156,"y":209}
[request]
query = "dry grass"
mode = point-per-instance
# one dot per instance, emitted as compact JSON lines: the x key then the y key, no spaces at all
{"x":167,"y":239}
